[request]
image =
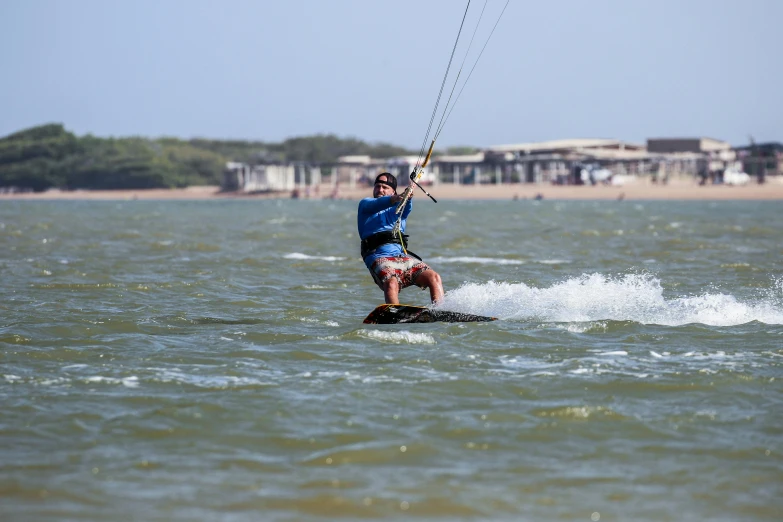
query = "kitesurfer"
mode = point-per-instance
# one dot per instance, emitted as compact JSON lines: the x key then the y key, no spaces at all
{"x":392,"y":266}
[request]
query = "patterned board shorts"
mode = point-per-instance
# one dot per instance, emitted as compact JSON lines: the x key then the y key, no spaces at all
{"x":405,"y":268}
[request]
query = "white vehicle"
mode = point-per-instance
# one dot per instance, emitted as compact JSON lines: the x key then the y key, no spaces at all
{"x":734,"y":175}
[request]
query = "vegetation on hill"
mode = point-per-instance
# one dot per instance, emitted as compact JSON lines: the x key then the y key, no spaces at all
{"x":49,"y":156}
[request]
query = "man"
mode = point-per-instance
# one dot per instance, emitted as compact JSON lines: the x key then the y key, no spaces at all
{"x":382,"y":252}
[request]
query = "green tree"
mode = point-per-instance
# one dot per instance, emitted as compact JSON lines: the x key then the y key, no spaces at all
{"x":48,"y":156}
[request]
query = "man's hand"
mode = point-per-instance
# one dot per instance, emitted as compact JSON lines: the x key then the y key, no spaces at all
{"x":396,"y":198}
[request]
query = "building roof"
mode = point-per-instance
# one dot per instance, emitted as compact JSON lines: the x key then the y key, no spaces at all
{"x":709,"y":144}
{"x":403,"y":160}
{"x":565,"y":145}
{"x":704,"y":144}
{"x":460,"y":158}
{"x":361,"y":160}
{"x":770,"y":145}
{"x":616,"y":154}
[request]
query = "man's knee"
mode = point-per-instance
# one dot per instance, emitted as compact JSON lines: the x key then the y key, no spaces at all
{"x":391,"y":284}
{"x":430,"y":278}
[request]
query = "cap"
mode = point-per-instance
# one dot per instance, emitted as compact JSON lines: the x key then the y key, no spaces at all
{"x":392,"y":181}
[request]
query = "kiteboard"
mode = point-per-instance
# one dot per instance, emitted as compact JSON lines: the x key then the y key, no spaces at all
{"x":394,"y":314}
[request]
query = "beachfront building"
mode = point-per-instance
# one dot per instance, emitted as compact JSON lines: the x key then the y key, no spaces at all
{"x":565,"y":162}
{"x":698,"y":145}
{"x":761,"y":160}
{"x":351,"y":170}
{"x":705,"y":158}
{"x":460,"y":169}
{"x":241,"y":177}
{"x":590,"y":161}
{"x":562,"y":161}
{"x":249,"y":179}
{"x":572,"y":161}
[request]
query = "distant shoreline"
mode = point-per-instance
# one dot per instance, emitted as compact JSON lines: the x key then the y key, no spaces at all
{"x":640,"y":190}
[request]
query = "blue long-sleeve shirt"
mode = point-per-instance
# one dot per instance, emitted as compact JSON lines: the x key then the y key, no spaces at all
{"x":377,"y":215}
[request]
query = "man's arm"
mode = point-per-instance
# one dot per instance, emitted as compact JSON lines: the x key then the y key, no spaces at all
{"x":373,"y":205}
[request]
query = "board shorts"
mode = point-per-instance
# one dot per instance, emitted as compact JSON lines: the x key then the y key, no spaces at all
{"x":405,"y":268}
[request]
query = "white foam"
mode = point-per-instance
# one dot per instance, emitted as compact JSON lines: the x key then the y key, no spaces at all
{"x":400,"y":337}
{"x":525,"y":363}
{"x":207,"y":381}
{"x":51,"y":382}
{"x":378,"y":379}
{"x":74,"y":366}
{"x":300,"y":256}
{"x":584,"y":327}
{"x":128,"y":382}
{"x":318,"y":321}
{"x":597,"y":297}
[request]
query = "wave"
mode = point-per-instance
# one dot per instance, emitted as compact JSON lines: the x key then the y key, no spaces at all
{"x":401,"y":337}
{"x":299,"y":256}
{"x":597,"y":297}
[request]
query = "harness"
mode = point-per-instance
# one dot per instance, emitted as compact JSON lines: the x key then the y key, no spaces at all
{"x":372,"y":243}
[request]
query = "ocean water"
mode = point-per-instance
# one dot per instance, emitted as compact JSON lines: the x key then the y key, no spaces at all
{"x":206,"y":360}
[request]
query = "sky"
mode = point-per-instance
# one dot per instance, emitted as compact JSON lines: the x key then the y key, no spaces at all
{"x":370,"y":69}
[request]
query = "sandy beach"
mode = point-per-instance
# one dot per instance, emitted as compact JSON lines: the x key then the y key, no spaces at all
{"x":639,"y":190}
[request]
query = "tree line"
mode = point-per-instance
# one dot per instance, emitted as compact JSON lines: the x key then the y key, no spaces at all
{"x":49,"y":156}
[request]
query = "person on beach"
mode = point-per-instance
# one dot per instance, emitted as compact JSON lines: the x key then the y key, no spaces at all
{"x":391,"y":268}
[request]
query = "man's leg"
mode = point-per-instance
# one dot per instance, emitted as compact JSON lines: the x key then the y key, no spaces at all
{"x":431,"y":279}
{"x":391,"y":291}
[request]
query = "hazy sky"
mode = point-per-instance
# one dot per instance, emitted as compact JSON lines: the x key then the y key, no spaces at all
{"x":371,"y":69}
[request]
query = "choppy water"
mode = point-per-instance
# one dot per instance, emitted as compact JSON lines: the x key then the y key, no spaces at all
{"x":206,"y":360}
